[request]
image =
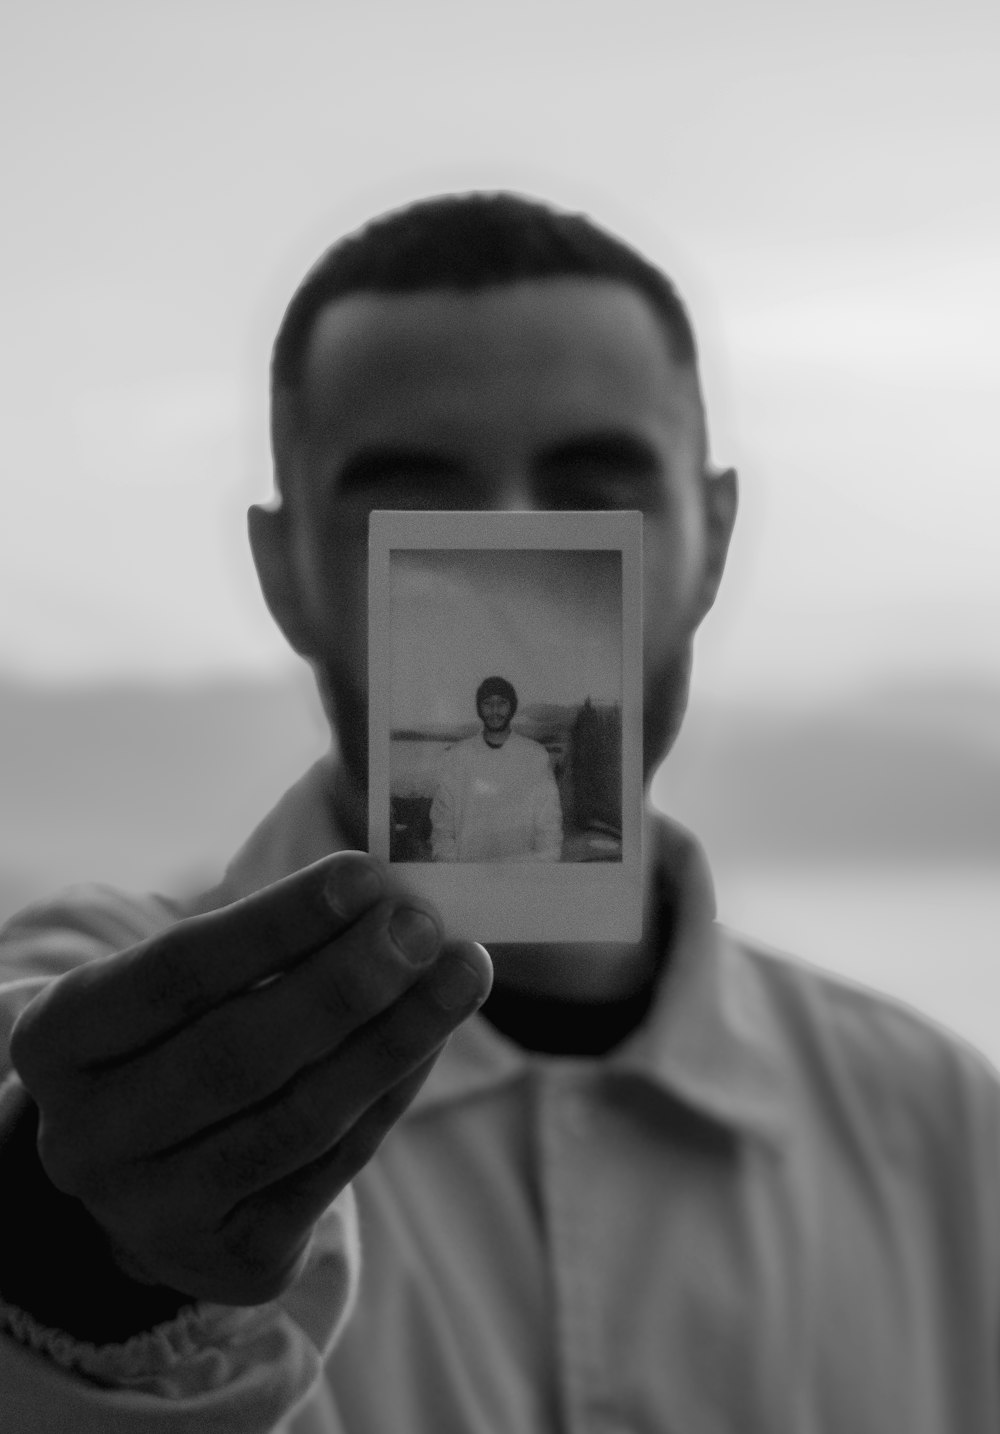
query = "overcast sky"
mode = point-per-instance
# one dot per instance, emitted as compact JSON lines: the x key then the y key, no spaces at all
{"x":820,"y":180}
{"x":549,"y":622}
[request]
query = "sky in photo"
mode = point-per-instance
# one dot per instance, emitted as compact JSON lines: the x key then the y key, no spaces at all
{"x":548,"y":621}
{"x":819,"y":180}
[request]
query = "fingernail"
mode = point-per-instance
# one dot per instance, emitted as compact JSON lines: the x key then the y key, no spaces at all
{"x":351,"y":890}
{"x":458,"y":984}
{"x":415,"y":934}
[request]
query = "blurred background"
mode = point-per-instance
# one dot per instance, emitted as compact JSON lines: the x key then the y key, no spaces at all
{"x":821,"y":183}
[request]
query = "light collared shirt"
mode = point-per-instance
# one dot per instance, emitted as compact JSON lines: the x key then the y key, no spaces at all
{"x":775,"y":1209}
{"x":496,"y":803}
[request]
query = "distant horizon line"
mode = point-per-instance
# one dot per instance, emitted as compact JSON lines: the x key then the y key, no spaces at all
{"x":533,"y":711}
{"x":916,"y":684}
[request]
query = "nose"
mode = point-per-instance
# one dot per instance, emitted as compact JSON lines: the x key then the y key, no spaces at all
{"x":514,"y":491}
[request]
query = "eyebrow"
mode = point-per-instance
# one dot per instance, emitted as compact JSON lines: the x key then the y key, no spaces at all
{"x":374,"y":465}
{"x":611,"y":448}
{"x":614,"y":448}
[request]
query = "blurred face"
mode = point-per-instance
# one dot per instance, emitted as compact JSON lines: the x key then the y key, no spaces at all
{"x":550,"y":394}
{"x":496,"y":713}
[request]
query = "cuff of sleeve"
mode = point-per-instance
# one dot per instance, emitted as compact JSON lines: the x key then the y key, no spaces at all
{"x":175,"y":1357}
{"x":209,"y":1347}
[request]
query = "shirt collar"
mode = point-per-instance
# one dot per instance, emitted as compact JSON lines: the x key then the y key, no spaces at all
{"x":707,"y":1041}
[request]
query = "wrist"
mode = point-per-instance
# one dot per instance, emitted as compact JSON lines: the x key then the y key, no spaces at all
{"x":56,"y":1263}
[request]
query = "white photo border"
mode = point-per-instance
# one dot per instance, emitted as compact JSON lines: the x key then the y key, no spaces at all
{"x":523,"y":902}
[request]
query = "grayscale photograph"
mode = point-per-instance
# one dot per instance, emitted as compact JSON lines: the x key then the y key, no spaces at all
{"x":499,"y":717}
{"x":506,"y":740}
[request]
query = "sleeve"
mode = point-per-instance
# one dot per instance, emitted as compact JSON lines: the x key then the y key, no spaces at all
{"x":209,"y":1368}
{"x":547,"y":815}
{"x":981,"y":1199}
{"x":444,"y":838}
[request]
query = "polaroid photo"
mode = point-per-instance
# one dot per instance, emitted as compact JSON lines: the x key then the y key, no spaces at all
{"x":505,"y":719}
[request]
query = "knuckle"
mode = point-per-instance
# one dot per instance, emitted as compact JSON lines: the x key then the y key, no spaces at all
{"x":67,"y":1162}
{"x":41,"y":1030}
{"x":267,"y":931}
{"x":353,"y":882}
{"x":153,"y":1248}
{"x":252,"y":1278}
{"x":363,"y":1143}
{"x":25,"y":1047}
{"x":256,"y":1285}
{"x":363,"y":979}
{"x":342,"y":998}
{"x":222,"y":1071}
{"x":373,"y":971}
{"x":262,"y":1254}
{"x":173,"y":980}
{"x":233,"y":1166}
{"x":394,"y":1045}
{"x":295,"y":1127}
{"x":251,"y":1157}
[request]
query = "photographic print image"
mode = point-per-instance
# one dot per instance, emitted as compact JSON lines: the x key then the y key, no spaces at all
{"x":506,"y":705}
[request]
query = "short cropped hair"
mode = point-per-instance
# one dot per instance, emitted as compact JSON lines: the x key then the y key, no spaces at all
{"x":463,"y":243}
{"x":496,"y":687}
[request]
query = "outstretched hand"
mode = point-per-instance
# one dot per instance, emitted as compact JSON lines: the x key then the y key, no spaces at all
{"x":206,"y":1093}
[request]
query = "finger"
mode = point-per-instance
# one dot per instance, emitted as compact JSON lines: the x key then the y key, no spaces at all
{"x":245,"y":1050}
{"x":265,"y":1235}
{"x":317,"y":1109}
{"x":255,"y":1252}
{"x":119,"y":1004}
{"x":307,"y":1192}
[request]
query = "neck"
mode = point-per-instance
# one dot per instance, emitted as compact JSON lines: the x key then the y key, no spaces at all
{"x":496,"y":739}
{"x":592,"y":972}
{"x":349,"y":808}
{"x":596,"y":972}
{"x":565,"y":1028}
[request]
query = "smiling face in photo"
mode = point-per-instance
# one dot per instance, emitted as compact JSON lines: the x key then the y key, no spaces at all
{"x":496,"y":713}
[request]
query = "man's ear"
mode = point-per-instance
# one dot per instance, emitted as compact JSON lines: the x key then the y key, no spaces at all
{"x":270,"y":544}
{"x":720,"y":492}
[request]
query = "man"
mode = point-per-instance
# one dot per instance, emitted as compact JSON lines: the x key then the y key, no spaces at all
{"x":674,"y":1185}
{"x":496,"y":798}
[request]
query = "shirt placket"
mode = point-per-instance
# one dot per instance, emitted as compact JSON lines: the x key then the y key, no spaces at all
{"x":568,"y":1169}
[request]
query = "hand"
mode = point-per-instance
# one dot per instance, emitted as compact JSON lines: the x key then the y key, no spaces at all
{"x":207,"y":1093}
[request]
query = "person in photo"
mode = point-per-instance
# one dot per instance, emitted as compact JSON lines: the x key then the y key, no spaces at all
{"x":496,"y":797}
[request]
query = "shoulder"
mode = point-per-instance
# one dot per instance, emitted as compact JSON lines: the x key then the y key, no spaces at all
{"x":872,"y":1062}
{"x":460,"y":752}
{"x":528,"y":749}
{"x":52,"y":935}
